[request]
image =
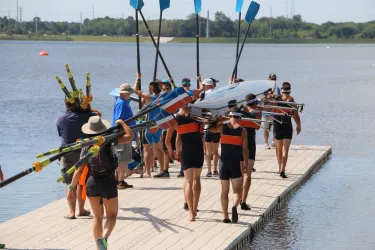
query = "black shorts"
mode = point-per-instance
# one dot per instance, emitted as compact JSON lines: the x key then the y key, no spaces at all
{"x":105,"y":188}
{"x":230,"y":170}
{"x":144,"y":141}
{"x":188,"y":166}
{"x":67,"y":162}
{"x":212,"y":137}
{"x":173,"y":140}
{"x":284,"y":131}
{"x":252,"y":152}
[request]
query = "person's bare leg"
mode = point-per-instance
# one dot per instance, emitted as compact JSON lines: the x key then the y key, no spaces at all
{"x":71,"y":201}
{"x":247,"y":180}
{"x":160,"y":154}
{"x":196,"y":189}
{"x":224,"y":197}
{"x":266,"y":136}
{"x":216,"y":155}
{"x":166,"y":160}
{"x":279,"y":152}
{"x":98,"y":212}
{"x":209,"y":150}
{"x":285,"y":153}
{"x":81,"y":202}
{"x":189,"y":179}
{"x":237,"y":190}
{"x":147,"y":156}
{"x":111,"y":211}
{"x":121,"y":171}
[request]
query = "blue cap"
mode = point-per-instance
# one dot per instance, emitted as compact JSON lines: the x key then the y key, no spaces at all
{"x":165,"y":80}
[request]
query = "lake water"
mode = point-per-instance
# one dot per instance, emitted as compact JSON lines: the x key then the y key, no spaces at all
{"x":335,"y":209}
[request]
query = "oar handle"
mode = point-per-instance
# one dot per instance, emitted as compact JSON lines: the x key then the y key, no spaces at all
{"x":78,"y":164}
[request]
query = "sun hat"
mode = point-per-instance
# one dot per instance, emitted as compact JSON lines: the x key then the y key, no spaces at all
{"x":95,"y":125}
{"x":208,"y":82}
{"x":125,"y":89}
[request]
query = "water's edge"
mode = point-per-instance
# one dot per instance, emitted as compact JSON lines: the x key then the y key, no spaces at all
{"x":249,"y":234}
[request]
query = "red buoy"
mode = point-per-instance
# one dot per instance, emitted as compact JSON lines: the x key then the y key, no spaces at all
{"x":43,"y":53}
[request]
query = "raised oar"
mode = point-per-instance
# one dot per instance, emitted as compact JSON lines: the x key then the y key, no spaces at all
{"x":88,"y":91}
{"x":250,"y":16}
{"x":239,"y":5}
{"x":157,"y":50}
{"x":75,"y":92}
{"x":36,"y":167}
{"x":164,"y":4}
{"x":69,"y":98}
{"x":198,"y":8}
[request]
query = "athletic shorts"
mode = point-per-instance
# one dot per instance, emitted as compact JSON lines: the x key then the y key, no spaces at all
{"x":154,"y":137}
{"x":212,"y":137}
{"x":173,"y":140}
{"x":67,"y":162}
{"x":105,"y":188}
{"x":267,"y":125}
{"x":230,"y":170}
{"x":252,"y":152}
{"x":124,"y":152}
{"x":188,"y":166}
{"x":281,"y":132}
{"x":132,"y":165}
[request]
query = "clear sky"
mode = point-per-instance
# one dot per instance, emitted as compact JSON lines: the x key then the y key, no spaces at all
{"x":317,"y":11}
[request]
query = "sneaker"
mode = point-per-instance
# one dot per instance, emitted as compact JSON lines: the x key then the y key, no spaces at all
{"x":208,"y":174}
{"x":227,"y":221}
{"x":126,"y":185}
{"x":282,"y":174}
{"x":273,"y":145}
{"x":164,"y":174}
{"x":216,"y":173}
{"x":234,"y":214}
{"x":186,"y":207}
{"x":102,"y":243}
{"x":244,"y":206}
{"x":181,"y":175}
{"x":267,"y":146}
{"x":121,"y":185}
{"x":158,"y":175}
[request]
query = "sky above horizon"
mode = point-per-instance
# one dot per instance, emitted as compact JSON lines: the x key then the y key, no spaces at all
{"x":317,"y":11}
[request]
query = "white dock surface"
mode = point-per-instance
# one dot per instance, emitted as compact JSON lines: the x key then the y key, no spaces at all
{"x":151,"y":215}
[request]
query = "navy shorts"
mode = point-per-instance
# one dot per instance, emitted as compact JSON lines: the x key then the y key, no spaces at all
{"x":252,"y":152}
{"x":212,"y":137}
{"x":284,"y":131}
{"x":230,"y":170}
{"x":105,"y":188}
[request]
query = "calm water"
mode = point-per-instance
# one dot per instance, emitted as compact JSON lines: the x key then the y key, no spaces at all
{"x":335,"y":209}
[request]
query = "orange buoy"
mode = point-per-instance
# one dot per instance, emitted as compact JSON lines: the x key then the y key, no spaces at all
{"x":43,"y":53}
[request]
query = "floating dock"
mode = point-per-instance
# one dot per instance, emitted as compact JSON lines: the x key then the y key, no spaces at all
{"x":151,"y":215}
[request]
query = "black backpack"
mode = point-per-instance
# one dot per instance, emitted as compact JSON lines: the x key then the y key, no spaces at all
{"x":104,"y":164}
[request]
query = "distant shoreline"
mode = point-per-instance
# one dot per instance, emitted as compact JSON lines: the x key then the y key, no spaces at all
{"x":212,"y":40}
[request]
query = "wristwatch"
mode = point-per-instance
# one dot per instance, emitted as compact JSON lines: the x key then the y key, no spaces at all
{"x":71,"y":187}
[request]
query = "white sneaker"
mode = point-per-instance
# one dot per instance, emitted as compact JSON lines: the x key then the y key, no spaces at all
{"x":267,"y":146}
{"x":273,"y":144}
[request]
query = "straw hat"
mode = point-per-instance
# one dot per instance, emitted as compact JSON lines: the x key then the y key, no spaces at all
{"x":95,"y":125}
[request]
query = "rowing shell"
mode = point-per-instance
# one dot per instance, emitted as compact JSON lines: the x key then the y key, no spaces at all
{"x":216,"y":102}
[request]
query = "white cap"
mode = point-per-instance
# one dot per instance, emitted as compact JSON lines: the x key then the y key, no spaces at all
{"x":208,"y":82}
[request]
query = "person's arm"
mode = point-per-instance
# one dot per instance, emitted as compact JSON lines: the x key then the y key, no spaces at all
{"x":245,"y":150}
{"x":178,"y":148}
{"x":128,"y":136}
{"x":297,"y":119}
{"x":198,"y":91}
{"x":97,"y":112}
{"x":77,"y":173}
{"x":168,"y":141}
{"x":1,"y":175}
{"x":139,"y":92}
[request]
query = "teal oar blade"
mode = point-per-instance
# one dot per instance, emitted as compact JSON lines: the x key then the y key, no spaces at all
{"x":252,"y":12}
{"x":137,"y":4}
{"x":197,"y":6}
{"x":164,"y":4}
{"x":239,"y":6}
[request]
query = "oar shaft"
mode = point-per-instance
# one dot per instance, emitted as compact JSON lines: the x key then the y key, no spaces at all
{"x":276,"y":107}
{"x":88,"y":90}
{"x":239,"y":55}
{"x":16,"y":177}
{"x":157,"y":49}
{"x":73,"y":84}
{"x":238,"y":41}
{"x":158,"y":46}
{"x":197,"y":41}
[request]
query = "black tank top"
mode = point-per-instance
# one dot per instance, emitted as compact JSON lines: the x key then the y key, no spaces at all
{"x":250,"y":126}
{"x":191,"y":139}
{"x":285,"y":119}
{"x":231,"y":144}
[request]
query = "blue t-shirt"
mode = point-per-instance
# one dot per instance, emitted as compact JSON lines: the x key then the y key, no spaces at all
{"x":69,"y":126}
{"x":122,"y":110}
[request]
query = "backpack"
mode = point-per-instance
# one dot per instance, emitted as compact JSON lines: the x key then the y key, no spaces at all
{"x":104,"y":164}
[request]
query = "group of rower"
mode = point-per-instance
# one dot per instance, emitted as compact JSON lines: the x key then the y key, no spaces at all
{"x":190,"y":142}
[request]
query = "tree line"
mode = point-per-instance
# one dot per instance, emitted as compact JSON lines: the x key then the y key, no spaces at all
{"x":220,"y":26}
